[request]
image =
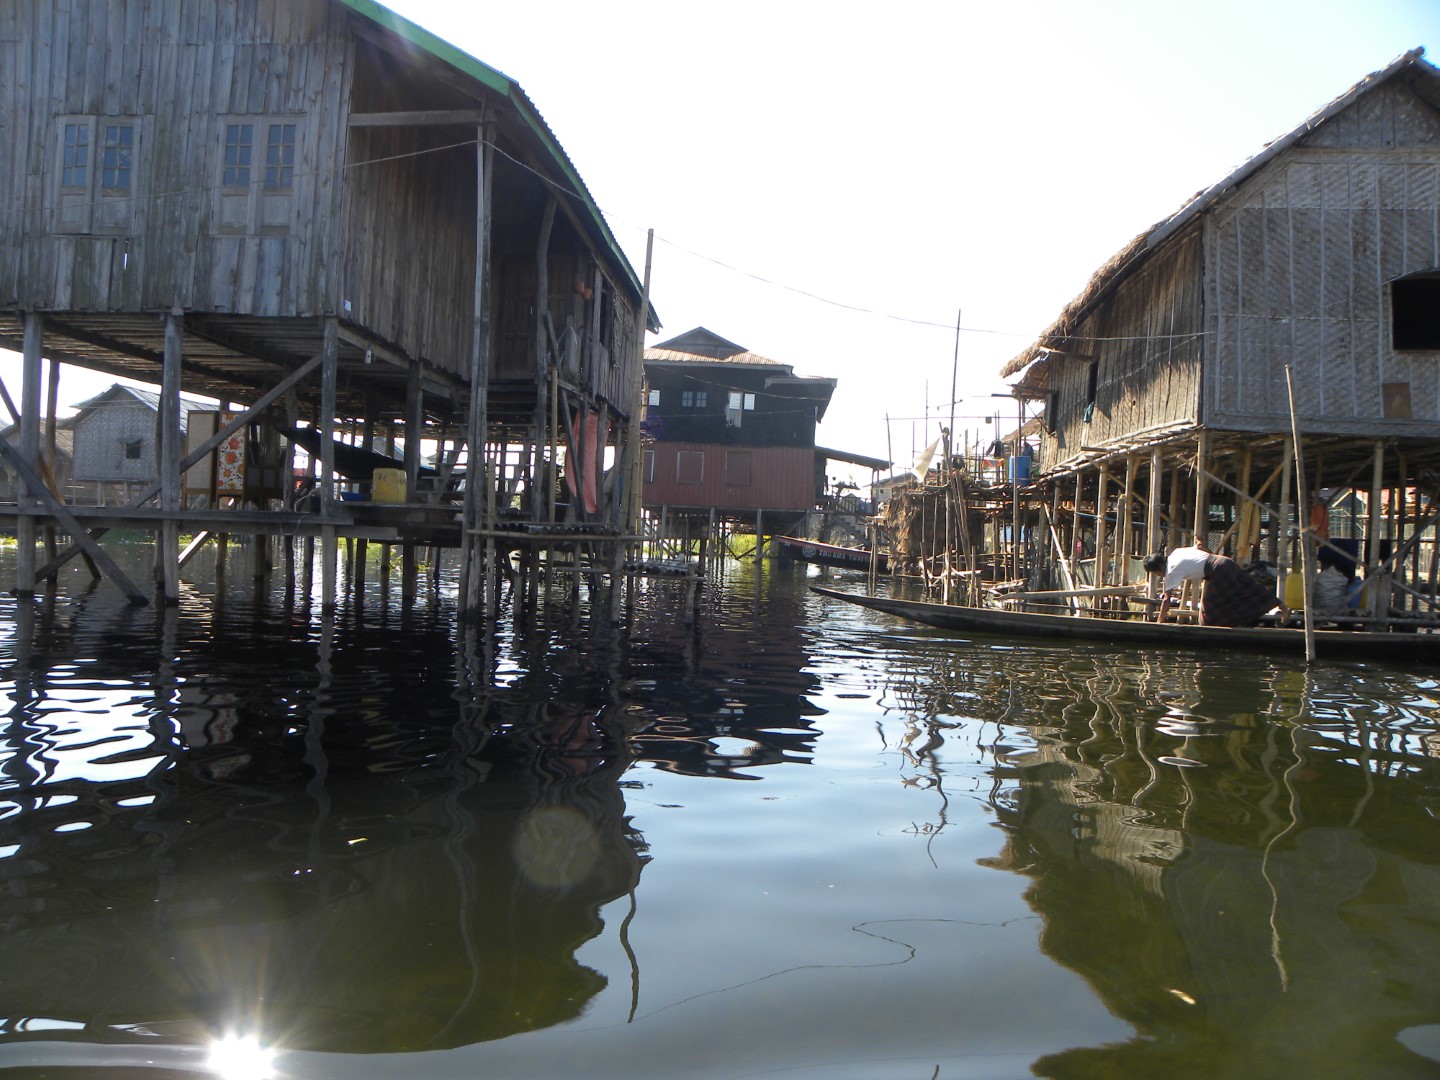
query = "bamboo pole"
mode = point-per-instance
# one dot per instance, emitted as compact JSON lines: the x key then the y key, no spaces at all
{"x":1301,"y":495}
{"x":1200,"y":518}
{"x":1372,"y":546}
{"x":1102,"y":532}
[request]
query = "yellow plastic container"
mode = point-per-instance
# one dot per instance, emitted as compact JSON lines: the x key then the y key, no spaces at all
{"x":388,"y":486}
{"x":1295,"y":591}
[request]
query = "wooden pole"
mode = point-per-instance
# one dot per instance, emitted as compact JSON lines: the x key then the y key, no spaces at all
{"x":1302,"y":500}
{"x":1102,"y":538}
{"x":168,"y":536}
{"x":1200,"y":519}
{"x":1127,"y":519}
{"x":1283,"y":558}
{"x":29,"y":450}
{"x":1077,"y":529}
{"x":1372,"y":544}
{"x":52,"y":404}
{"x":326,"y":480}
{"x":1152,"y":510}
{"x":543,"y":360}
{"x":476,"y":594}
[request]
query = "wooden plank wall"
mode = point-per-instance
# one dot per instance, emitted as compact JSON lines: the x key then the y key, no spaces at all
{"x":388,"y":246}
{"x":1301,"y":258}
{"x":409,"y":265}
{"x":1145,"y":338}
{"x":781,"y":478}
{"x":177,"y":68}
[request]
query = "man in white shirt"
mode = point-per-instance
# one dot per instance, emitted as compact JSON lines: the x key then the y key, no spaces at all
{"x":1229,"y":596}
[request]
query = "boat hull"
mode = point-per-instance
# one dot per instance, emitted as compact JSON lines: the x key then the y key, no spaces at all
{"x":846,"y":558}
{"x":1329,"y":644}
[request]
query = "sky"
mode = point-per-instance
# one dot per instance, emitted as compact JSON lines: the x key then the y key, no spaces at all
{"x":835,"y":185}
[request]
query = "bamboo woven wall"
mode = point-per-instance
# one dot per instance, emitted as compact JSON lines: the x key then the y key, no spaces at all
{"x":1300,"y":264}
{"x":1144,"y":338}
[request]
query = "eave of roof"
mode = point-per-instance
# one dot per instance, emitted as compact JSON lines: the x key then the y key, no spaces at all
{"x":740,"y":359}
{"x":502,"y":84}
{"x":854,"y":459}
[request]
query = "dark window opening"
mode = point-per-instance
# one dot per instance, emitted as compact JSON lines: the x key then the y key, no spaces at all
{"x":134,"y":449}
{"x":1092,"y":386}
{"x":1415,"y":314}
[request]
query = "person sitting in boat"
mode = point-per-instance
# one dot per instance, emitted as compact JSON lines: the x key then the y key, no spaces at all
{"x":1229,"y":596}
{"x":1331,"y":591}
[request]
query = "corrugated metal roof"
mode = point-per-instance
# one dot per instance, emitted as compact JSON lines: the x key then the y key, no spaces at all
{"x":675,"y":355}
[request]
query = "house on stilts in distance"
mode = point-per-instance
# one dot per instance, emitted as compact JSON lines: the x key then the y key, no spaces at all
{"x":335,"y":225}
{"x":729,"y":444}
{"x":1260,"y":366}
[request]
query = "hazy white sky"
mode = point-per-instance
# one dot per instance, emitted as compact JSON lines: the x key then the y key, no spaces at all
{"x":910,"y":160}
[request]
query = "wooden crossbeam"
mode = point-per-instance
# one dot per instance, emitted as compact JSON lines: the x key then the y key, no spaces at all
{"x":30,"y":477}
{"x":198,"y":454}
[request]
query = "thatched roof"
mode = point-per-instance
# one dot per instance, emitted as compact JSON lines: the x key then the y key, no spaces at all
{"x":1133,"y":254}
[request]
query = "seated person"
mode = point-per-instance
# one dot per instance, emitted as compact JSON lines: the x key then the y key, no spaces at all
{"x":1229,"y":596}
{"x":1331,"y":592}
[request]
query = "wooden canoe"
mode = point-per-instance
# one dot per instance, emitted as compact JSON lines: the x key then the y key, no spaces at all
{"x":1329,"y":644}
{"x":847,"y":558}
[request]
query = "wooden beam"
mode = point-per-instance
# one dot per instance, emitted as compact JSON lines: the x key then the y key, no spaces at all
{"x":418,"y":118}
{"x":30,"y":477}
{"x":198,"y":454}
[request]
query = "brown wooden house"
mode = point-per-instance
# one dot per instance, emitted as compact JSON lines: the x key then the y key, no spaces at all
{"x":317,"y":204}
{"x":1298,"y":295}
{"x":730,"y":433}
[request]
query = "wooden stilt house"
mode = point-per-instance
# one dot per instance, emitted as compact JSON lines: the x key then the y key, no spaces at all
{"x":730,"y":437}
{"x":323,"y":216}
{"x":1263,"y":365}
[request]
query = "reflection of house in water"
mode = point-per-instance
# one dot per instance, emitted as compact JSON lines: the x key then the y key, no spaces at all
{"x":1232,"y":886}
{"x":747,"y":705}
{"x":370,"y":869}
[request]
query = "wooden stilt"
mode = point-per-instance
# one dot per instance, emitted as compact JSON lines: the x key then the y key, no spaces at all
{"x":29,"y":450}
{"x":476,"y":598}
{"x":49,"y":459}
{"x":1199,"y":526}
{"x":326,"y":478}
{"x":1077,"y":529}
{"x":168,"y":541}
{"x":1153,"y":540}
{"x":1376,"y":603}
{"x":1102,"y":530}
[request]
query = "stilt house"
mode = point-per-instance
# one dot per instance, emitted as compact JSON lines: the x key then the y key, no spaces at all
{"x":1298,"y":296}
{"x":320,"y":209}
{"x":730,"y":434}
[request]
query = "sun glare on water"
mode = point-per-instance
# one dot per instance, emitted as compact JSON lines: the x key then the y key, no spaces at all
{"x":241,"y":1057}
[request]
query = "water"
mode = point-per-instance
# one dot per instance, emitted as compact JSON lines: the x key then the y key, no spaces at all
{"x":799,"y":839}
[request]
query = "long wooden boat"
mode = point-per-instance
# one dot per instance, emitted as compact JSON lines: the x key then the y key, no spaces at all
{"x":1330,"y":644}
{"x":847,"y":558}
